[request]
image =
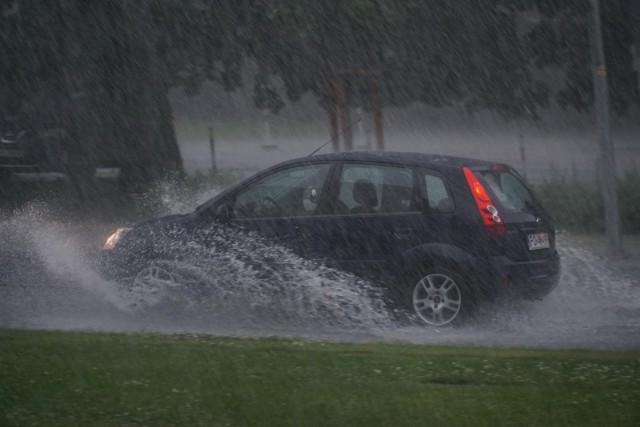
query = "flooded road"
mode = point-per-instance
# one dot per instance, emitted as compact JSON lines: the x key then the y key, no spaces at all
{"x":51,"y":285}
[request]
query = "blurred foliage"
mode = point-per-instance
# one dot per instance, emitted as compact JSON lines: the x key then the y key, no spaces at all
{"x":103,"y":69}
{"x":439,"y":53}
{"x":573,"y":204}
{"x":577,"y":205}
{"x":559,"y":40}
{"x":480,"y":53}
{"x":484,"y":54}
{"x":629,"y":191}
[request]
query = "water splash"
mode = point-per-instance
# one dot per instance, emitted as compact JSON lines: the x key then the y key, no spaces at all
{"x":42,"y":248}
{"x":224,"y":282}
{"x":237,"y":275}
{"x":177,"y":196}
{"x":219,"y":274}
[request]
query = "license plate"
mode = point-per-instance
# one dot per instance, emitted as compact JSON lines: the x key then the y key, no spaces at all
{"x":538,"y":241}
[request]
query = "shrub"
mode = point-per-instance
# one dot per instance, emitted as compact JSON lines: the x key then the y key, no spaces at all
{"x":577,"y":205}
{"x":629,"y":192}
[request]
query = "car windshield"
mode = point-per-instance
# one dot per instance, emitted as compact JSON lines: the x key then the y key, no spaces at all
{"x":511,"y":193}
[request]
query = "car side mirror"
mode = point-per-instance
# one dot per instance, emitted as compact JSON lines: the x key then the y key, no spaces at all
{"x":223,"y":213}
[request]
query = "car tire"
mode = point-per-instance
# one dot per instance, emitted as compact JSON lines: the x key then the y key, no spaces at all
{"x":149,"y":286}
{"x":438,"y":296}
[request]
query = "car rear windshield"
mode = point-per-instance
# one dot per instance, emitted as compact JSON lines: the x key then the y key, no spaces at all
{"x":507,"y":187}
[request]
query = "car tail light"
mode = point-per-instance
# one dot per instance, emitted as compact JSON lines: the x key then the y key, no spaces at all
{"x":488,"y":211}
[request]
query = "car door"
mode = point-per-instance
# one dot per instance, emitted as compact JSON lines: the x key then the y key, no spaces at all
{"x":379,"y":212}
{"x":373,"y":206}
{"x":283,"y":204}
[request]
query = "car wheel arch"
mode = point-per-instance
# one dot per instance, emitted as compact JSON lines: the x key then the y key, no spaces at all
{"x":431,"y":258}
{"x":437,"y":254}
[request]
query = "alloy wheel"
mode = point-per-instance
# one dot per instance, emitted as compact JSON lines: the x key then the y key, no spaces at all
{"x":150,"y":283}
{"x":437,"y":299}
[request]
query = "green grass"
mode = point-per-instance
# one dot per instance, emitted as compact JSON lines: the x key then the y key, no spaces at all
{"x":70,"y":378}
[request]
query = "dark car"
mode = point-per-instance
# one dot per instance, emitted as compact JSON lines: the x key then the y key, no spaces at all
{"x":441,"y":233}
{"x":30,"y":159}
{"x":15,"y":147}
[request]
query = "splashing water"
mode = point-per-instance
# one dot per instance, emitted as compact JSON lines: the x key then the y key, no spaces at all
{"x":232,"y":279}
{"x":169,"y":197}
{"x":231,"y":274}
{"x":42,"y":249}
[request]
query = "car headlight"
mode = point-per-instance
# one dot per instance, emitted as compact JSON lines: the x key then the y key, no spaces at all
{"x":113,"y":240}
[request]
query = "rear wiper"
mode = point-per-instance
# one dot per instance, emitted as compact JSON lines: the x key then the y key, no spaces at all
{"x":535,"y":207}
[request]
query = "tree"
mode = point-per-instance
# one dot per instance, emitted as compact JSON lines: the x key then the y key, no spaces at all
{"x":472,"y":52}
{"x":437,"y":52}
{"x":560,"y":40}
{"x":102,"y":70}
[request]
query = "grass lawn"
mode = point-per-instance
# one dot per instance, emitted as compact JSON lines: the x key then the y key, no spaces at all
{"x":76,"y":378}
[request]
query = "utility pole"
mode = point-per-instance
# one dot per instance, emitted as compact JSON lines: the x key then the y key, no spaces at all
{"x":607,"y":158}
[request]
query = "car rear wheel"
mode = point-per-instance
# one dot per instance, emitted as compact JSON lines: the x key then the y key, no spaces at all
{"x":438,"y":297}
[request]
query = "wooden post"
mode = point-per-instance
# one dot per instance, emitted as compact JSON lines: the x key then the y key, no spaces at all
{"x":212,"y":150}
{"x":332,"y":109}
{"x":338,"y":109}
{"x":344,"y":116}
{"x":523,"y":156}
{"x":376,"y":103}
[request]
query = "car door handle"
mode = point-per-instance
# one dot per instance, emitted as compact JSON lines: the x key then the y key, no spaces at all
{"x":403,"y":233}
{"x":300,"y":232}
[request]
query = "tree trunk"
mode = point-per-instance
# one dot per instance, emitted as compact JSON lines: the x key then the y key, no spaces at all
{"x":139,"y":136}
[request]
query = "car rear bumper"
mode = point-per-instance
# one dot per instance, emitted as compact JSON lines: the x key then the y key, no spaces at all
{"x":530,"y":280}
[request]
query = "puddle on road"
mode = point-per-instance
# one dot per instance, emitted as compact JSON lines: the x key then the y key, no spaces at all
{"x":254,"y":289}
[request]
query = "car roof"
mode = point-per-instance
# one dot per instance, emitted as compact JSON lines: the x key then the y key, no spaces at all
{"x":405,"y":158}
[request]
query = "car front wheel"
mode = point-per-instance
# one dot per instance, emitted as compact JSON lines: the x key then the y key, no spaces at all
{"x":149,"y":286}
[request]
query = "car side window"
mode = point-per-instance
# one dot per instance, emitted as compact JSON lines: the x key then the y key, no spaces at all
{"x":437,"y":195}
{"x":290,"y":192}
{"x":367,"y":189}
